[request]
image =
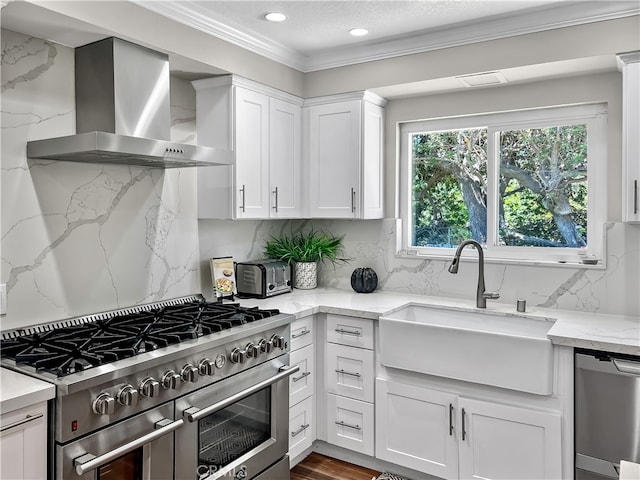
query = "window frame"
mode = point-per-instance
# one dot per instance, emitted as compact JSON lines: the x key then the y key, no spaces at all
{"x":593,"y":115}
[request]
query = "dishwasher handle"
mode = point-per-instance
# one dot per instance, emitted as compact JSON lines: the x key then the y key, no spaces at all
{"x":627,"y":366}
{"x":607,"y":363}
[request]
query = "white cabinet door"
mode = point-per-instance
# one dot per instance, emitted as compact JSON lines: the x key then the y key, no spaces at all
{"x":508,"y":443}
{"x":301,"y":427}
{"x":416,"y":427}
{"x":263,"y":127}
{"x":252,"y":154}
{"x":629,"y":63}
{"x":23,"y":444}
{"x":352,"y":331}
{"x":302,"y":332}
{"x":371,"y":199}
{"x":285,"y":145}
{"x":350,"y":424}
{"x":301,"y":383}
{"x":334,"y":150}
{"x":350,"y":372}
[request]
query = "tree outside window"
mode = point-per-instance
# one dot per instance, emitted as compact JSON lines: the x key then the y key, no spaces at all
{"x":505,"y":185}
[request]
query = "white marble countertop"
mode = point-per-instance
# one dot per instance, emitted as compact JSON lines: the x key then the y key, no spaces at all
{"x":596,"y":331}
{"x":19,"y":391}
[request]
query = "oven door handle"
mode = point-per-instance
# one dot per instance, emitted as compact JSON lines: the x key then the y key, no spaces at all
{"x":88,"y":462}
{"x":194,"y":414}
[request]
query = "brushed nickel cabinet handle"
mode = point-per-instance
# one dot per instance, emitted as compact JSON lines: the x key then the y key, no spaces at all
{"x":464,"y":432}
{"x":348,"y":373}
{"x":27,"y":419}
{"x":353,"y":200}
{"x":342,"y":424}
{"x":348,"y":332}
{"x":275,"y":194}
{"x":300,"y":430}
{"x":635,"y":197}
{"x":450,"y":419}
{"x":242,"y":191}
{"x":302,"y":333}
{"x":305,"y":374}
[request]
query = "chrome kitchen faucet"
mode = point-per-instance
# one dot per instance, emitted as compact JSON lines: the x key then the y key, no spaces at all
{"x":481,"y":295}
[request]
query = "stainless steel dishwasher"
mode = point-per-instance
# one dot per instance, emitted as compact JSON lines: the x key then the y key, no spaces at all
{"x":607,"y":413}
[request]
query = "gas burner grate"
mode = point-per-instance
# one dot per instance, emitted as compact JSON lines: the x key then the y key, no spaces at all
{"x":74,"y":346}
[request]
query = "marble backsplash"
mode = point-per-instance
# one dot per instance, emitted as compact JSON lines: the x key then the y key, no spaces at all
{"x":81,"y":238}
{"x":371,"y":243}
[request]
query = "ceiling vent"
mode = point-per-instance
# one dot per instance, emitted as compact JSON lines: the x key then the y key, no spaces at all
{"x":482,"y":79}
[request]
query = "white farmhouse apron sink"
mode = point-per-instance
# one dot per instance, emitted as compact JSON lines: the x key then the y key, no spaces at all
{"x":506,"y":350}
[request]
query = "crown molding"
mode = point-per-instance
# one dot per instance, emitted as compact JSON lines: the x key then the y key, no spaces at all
{"x":571,"y":14}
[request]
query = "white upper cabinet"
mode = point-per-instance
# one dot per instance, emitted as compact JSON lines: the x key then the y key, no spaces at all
{"x":344,"y":153}
{"x":629,"y":64}
{"x":263,"y":128}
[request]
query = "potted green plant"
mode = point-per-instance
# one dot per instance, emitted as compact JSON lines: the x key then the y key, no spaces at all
{"x":305,"y":250}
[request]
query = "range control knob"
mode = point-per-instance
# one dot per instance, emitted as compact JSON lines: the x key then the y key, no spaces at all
{"x":128,"y":396}
{"x":189,"y":373}
{"x":170,"y":379}
{"x":149,"y":387}
{"x":206,"y":367}
{"x":237,"y":355}
{"x":278,"y":342}
{"x":252,"y":350}
{"x":104,"y":404}
{"x":264,"y":346}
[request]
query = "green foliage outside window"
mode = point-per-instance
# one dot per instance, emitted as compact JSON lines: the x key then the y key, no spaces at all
{"x":542,"y":187}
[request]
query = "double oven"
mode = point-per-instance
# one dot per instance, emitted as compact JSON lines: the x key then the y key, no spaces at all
{"x":213,"y":405}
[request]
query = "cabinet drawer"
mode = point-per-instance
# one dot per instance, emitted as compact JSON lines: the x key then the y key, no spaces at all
{"x":301,"y":427}
{"x":350,"y":372}
{"x":301,"y":383}
{"x":302,"y":333}
{"x":355,"y":332}
{"x":350,"y":424}
{"x":23,"y":443}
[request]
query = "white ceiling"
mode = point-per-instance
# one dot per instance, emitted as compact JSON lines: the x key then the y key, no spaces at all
{"x":315,"y":35}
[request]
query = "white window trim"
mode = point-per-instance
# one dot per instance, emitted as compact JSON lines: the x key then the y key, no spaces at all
{"x":594,"y":115}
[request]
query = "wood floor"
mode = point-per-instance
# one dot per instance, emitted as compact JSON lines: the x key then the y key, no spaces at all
{"x":319,"y":467}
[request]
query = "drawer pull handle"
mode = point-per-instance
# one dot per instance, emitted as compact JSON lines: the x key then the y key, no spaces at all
{"x":348,"y":373}
{"x":342,"y":424}
{"x":348,"y":332}
{"x":27,"y":419}
{"x":302,"y":333}
{"x":305,"y":374}
{"x":300,"y":430}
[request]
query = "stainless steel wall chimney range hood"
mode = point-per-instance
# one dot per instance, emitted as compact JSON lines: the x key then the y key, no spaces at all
{"x":123,"y":112}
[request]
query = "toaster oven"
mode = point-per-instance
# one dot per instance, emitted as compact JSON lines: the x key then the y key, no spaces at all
{"x":263,"y":278}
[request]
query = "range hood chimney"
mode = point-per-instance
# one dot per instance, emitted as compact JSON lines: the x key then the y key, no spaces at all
{"x":123,"y":112}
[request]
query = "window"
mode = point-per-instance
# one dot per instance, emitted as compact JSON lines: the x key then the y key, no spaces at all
{"x":528,"y":185}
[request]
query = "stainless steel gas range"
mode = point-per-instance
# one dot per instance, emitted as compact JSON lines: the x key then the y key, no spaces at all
{"x":181,"y":389}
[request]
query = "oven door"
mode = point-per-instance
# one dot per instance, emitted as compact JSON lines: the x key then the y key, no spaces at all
{"x":138,"y":448}
{"x":238,"y":427}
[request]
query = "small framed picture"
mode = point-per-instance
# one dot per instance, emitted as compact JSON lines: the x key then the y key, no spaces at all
{"x":223,"y":276}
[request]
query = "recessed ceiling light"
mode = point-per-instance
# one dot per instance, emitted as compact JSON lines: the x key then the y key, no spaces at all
{"x":275,"y":17}
{"x":358,"y":32}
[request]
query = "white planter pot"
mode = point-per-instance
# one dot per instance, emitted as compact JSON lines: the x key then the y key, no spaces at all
{"x":306,"y":275}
